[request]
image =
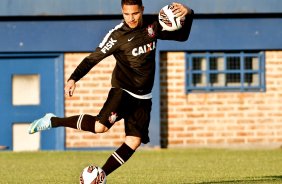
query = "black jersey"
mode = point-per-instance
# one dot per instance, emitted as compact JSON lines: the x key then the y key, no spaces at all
{"x":134,"y":51}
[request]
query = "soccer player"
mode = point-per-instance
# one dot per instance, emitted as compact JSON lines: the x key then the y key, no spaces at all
{"x":133,"y":44}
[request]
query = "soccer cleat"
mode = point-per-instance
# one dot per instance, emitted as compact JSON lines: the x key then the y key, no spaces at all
{"x":43,"y":123}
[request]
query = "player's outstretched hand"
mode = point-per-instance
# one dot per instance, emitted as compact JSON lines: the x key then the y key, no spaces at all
{"x":69,"y":88}
{"x":180,"y":10}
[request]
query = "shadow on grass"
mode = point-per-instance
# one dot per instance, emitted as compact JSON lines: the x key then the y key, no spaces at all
{"x":263,"y":179}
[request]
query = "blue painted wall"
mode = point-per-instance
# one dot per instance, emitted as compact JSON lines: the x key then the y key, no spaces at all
{"x":85,"y":35}
{"x":232,"y":34}
{"x":50,"y":69}
{"x":112,"y":7}
{"x":260,"y":31}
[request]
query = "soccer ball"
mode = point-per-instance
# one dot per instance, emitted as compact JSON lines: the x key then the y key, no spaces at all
{"x":92,"y":175}
{"x":168,"y":20}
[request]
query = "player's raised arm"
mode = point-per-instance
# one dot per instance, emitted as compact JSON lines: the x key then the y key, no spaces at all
{"x":182,"y":12}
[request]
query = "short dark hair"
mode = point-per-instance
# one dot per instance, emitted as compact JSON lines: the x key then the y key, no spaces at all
{"x":131,"y":2}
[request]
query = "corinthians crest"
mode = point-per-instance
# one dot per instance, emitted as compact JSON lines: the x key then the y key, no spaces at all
{"x":113,"y":117}
{"x":150,"y":30}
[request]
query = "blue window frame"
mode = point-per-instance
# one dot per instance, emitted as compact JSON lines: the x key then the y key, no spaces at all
{"x":228,"y":71}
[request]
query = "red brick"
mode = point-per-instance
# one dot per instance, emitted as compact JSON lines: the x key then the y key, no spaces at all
{"x":216,"y":141}
{"x":236,"y":141}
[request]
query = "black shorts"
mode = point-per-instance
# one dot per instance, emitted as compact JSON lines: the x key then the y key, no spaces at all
{"x":135,"y":112}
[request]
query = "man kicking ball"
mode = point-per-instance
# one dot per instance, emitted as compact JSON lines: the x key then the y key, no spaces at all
{"x":130,"y":97}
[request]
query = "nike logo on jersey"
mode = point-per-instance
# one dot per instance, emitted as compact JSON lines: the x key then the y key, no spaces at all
{"x":144,"y":49}
{"x":129,"y":39}
{"x":108,"y":45}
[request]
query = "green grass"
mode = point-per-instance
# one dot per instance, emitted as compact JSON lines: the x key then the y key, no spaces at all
{"x":175,"y":166}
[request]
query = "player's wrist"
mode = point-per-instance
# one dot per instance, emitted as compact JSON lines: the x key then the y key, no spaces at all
{"x":71,"y":80}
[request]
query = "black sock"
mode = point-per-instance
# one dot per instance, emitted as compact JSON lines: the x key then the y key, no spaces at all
{"x":119,"y":157}
{"x":81,"y":122}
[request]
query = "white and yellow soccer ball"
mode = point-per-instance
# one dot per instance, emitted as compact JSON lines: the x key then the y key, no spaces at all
{"x":168,"y":20}
{"x":92,"y":174}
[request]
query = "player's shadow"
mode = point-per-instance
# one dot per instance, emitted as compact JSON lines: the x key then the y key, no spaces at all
{"x":269,"y":179}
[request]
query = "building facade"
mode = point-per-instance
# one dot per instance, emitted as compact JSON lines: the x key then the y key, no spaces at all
{"x":221,"y":88}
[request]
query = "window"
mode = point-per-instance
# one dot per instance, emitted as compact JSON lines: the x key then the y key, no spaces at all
{"x":26,"y":89}
{"x":207,"y":72}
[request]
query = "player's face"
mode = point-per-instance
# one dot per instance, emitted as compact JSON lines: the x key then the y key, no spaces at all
{"x":132,"y":15}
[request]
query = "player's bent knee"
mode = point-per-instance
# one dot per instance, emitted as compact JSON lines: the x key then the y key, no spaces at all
{"x":133,"y":142}
{"x":100,"y":128}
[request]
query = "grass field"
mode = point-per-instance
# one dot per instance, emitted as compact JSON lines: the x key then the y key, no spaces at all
{"x":168,"y":166}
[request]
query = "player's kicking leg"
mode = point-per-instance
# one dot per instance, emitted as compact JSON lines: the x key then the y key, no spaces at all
{"x":83,"y":122}
{"x":122,"y":154}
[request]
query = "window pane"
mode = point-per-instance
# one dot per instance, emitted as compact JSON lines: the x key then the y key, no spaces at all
{"x":216,"y":63}
{"x":251,"y":79}
{"x":251,"y":63}
{"x":248,"y":78}
{"x":217,"y":79}
{"x":23,"y":141}
{"x":233,"y":79}
{"x":26,"y":89}
{"x":199,"y":80}
{"x":213,"y":63}
{"x":214,"y":78}
{"x":233,"y":63}
{"x":248,"y":63}
{"x":199,"y":63}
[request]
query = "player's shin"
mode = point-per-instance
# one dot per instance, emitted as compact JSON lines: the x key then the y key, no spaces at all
{"x":118,"y":158}
{"x":83,"y":122}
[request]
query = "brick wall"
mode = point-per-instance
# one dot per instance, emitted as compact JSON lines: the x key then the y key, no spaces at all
{"x":220,"y":119}
{"x":90,"y":95}
{"x":193,"y":120}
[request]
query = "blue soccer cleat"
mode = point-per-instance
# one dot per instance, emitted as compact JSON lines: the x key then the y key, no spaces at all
{"x":43,"y":123}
